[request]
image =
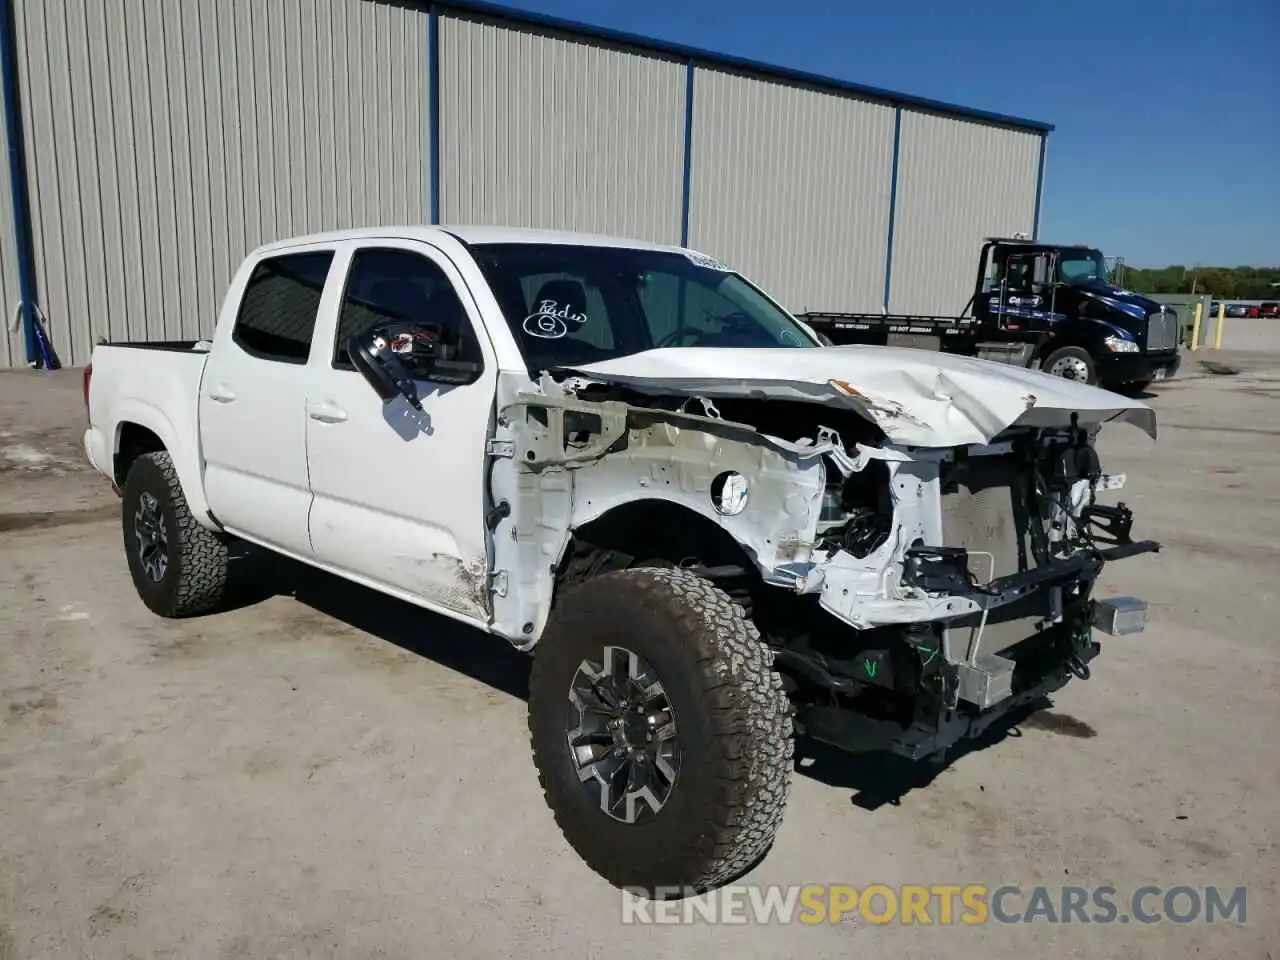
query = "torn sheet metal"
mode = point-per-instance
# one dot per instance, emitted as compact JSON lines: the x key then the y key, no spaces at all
{"x":917,"y":398}
{"x":572,"y":461}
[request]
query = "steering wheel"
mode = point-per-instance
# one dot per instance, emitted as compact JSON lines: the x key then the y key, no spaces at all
{"x":731,"y":324}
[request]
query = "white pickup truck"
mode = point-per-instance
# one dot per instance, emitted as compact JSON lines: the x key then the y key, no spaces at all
{"x":711,"y":530}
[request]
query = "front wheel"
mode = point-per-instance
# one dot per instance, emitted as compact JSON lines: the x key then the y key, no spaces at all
{"x":660,"y":731}
{"x":1071,"y":363}
{"x":179,"y":568}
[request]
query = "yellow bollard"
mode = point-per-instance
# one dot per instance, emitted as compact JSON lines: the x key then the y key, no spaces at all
{"x":1195,"y":328}
{"x":1217,"y":332}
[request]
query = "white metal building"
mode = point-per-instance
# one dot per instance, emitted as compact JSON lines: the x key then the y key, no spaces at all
{"x":152,"y":143}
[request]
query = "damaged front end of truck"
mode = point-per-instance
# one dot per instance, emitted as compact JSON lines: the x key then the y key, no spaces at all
{"x":919,"y":551}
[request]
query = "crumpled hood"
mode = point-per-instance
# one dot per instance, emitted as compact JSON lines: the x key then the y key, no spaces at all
{"x":917,"y":397}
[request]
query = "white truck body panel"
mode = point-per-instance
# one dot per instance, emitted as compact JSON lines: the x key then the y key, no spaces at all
{"x":397,"y":493}
{"x":157,"y":390}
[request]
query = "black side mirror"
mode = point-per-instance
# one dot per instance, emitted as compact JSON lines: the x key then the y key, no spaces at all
{"x":392,"y":357}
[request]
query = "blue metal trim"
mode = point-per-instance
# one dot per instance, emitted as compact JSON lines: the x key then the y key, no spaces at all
{"x":18,"y":186}
{"x":712,"y":58}
{"x":687,"y":187}
{"x":1035,"y":222}
{"x":433,"y":105}
{"x":893,"y":205}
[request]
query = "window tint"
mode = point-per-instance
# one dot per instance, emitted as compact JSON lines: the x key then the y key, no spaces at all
{"x":277,"y":315}
{"x":679,"y":310}
{"x":386,"y":286}
{"x":551,"y":292}
{"x":574,"y":305}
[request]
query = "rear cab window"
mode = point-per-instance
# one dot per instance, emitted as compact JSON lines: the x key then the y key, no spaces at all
{"x":276,"y":319}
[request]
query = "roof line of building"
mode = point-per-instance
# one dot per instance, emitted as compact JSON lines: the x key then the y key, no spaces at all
{"x":712,"y":58}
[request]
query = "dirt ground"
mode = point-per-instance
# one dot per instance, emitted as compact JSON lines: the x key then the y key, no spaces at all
{"x":322,"y":772}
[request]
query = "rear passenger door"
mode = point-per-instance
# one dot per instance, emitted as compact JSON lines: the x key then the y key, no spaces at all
{"x":400,"y":493}
{"x":253,"y":402}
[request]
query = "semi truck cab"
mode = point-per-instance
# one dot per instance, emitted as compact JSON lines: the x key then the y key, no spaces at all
{"x":1061,"y":299}
{"x":1047,"y":306}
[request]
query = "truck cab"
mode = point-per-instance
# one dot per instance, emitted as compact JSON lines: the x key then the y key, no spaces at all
{"x":1061,"y":299}
{"x":1050,"y":307}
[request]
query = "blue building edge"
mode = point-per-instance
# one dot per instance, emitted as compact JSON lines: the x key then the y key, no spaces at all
{"x":39,"y":353}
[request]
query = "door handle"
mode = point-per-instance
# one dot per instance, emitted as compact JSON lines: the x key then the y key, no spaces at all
{"x":221,"y":394}
{"x":326,"y":411}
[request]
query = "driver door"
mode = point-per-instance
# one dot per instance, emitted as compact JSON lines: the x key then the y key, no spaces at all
{"x":399,"y":493}
{"x":1025,"y":293}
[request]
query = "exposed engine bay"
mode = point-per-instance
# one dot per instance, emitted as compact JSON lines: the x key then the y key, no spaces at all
{"x":911,"y":593}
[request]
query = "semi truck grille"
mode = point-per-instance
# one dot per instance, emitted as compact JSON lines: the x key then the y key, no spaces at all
{"x":1162,"y":331}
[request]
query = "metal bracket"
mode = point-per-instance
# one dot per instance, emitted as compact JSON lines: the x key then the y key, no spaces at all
{"x":504,"y":449}
{"x":498,"y":583}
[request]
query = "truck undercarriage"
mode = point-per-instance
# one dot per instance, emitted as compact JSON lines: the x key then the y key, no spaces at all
{"x":910,"y":596}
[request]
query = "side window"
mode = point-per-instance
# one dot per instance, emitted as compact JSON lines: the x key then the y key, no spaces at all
{"x":388,"y":285}
{"x":277,"y":315}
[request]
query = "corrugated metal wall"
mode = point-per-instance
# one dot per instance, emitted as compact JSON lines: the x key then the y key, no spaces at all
{"x":13,"y":350}
{"x":791,"y":186}
{"x":958,"y":182}
{"x":554,"y":131}
{"x":167,"y":139}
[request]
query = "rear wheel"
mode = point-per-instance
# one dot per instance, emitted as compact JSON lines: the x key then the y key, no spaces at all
{"x":1071,"y":363}
{"x":179,"y":568}
{"x":661,"y":733}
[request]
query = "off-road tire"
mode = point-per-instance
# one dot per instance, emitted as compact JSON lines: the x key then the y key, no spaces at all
{"x":733,"y":719}
{"x":1076,"y":353}
{"x":196,"y":573}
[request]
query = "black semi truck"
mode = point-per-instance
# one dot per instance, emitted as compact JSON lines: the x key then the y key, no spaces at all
{"x":1040,"y":305}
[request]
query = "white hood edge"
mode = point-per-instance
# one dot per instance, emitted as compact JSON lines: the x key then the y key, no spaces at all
{"x":917,"y":397}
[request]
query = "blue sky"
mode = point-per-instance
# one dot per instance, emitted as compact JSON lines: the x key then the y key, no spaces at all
{"x":1167,"y":115}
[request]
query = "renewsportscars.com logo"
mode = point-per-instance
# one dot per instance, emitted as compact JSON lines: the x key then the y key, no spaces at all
{"x":942,"y":904}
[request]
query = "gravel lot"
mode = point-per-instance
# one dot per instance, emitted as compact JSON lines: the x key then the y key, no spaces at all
{"x":322,"y":772}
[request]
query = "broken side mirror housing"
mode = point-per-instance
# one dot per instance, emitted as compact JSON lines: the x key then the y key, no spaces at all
{"x":393,"y":357}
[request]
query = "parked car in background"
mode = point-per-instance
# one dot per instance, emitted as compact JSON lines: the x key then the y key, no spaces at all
{"x":1270,"y":309}
{"x":1239,"y":310}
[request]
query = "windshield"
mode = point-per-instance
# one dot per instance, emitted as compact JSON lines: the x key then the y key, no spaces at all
{"x":1081,"y":266}
{"x":572,"y":305}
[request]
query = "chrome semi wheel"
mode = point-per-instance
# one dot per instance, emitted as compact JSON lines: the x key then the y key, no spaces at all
{"x":622,"y":735}
{"x":660,"y":730}
{"x":1071,"y":363}
{"x":150,"y":537}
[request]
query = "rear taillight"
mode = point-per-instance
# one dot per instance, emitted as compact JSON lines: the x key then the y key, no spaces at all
{"x":88,"y":375}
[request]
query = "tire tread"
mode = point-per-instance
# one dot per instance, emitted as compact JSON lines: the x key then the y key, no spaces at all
{"x":750,"y":716}
{"x":202,"y":554}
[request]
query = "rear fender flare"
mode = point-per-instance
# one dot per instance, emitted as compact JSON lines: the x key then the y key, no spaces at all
{"x":186,"y":459}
